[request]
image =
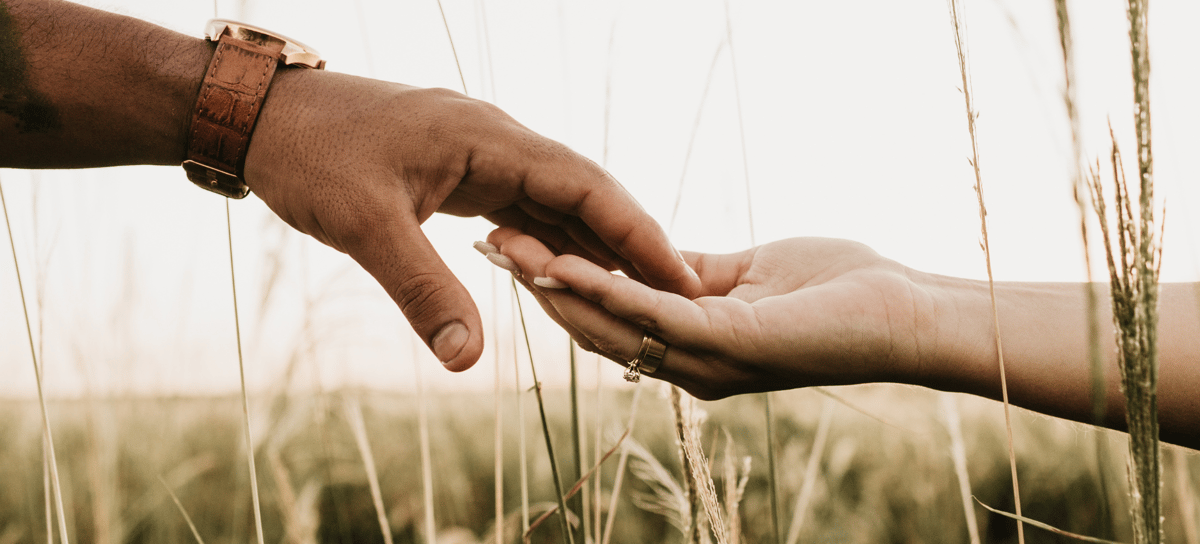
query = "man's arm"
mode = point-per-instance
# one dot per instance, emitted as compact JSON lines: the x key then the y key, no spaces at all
{"x":83,"y":87}
{"x":356,"y":163}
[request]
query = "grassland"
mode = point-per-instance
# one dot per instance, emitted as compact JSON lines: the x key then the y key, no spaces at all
{"x":885,"y":475}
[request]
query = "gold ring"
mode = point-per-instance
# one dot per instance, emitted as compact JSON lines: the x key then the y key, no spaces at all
{"x":649,"y":357}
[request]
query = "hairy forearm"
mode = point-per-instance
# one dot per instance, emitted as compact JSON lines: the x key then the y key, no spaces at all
{"x":82,"y":87}
{"x":1044,"y":333}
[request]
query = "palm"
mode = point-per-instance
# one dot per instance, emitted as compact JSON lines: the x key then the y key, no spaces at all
{"x":799,"y":312}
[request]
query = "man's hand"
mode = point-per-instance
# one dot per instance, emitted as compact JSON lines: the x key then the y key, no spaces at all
{"x":359,"y":164}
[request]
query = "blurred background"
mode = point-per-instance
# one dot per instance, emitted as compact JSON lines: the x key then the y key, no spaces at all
{"x":853,"y":122}
{"x":853,"y":125}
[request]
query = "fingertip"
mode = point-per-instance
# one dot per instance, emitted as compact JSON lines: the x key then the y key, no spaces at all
{"x":457,"y":346}
{"x":504,"y":261}
{"x":485,"y":248}
{"x":549,"y":283}
{"x":497,"y":237}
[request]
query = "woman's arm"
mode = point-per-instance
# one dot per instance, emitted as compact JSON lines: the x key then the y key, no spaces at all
{"x":1044,"y":334}
{"x":814,"y":311}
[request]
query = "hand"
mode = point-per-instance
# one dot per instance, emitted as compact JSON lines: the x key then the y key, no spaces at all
{"x":359,"y":164}
{"x":799,"y":312}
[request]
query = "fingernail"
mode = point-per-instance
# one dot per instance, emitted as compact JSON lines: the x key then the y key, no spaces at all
{"x":504,"y":262}
{"x":449,"y":341}
{"x":549,"y":283}
{"x":485,"y":248}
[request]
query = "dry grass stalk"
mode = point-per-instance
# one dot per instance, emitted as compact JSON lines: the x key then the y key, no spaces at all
{"x":960,"y":46}
{"x":579,"y":502}
{"x":735,"y":489}
{"x":522,"y":452}
{"x":687,"y":156}
{"x":1040,"y":525}
{"x":453,"y":50}
{"x":598,"y":489}
{"x":237,"y":327}
{"x":426,"y":458}
{"x":701,"y":475}
{"x":666,"y":496}
{"x":537,"y":388}
{"x":691,"y":520}
{"x":1133,"y":272}
{"x":182,"y":510}
{"x":497,"y":419}
{"x":958,"y":452}
{"x":1078,"y":190}
{"x":619,"y":477}
{"x":810,"y":472}
{"x":47,"y":435}
{"x":39,"y":299}
{"x":580,"y":485}
{"x":286,"y":495}
{"x":359,"y":429}
{"x":1141,"y":387}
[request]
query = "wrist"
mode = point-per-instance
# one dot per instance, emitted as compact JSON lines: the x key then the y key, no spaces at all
{"x":959,"y":333}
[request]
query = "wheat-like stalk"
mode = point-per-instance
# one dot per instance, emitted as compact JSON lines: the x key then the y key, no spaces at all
{"x":1133,"y":272}
{"x":702,"y":476}
{"x":961,"y":48}
{"x":692,"y":519}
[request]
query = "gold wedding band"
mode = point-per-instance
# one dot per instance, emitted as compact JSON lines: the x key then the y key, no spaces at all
{"x":649,"y":357}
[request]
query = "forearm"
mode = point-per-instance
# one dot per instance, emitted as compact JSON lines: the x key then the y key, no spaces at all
{"x":83,"y":87}
{"x":1044,"y":333}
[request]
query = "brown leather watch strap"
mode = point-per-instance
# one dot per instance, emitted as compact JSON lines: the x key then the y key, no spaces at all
{"x":230,"y":98}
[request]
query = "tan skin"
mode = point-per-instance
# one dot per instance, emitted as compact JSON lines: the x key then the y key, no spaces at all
{"x":818,"y":311}
{"x":358,"y":164}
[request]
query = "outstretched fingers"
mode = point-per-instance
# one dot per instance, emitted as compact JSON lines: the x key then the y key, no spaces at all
{"x":671,"y":316}
{"x":565,"y":181}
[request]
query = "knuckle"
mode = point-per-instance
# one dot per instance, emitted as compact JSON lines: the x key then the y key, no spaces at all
{"x":420,"y":297}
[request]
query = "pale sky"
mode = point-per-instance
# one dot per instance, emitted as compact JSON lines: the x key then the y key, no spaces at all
{"x":854,"y":127}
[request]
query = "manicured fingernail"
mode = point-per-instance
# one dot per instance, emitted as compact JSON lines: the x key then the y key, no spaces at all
{"x":549,"y":283}
{"x":504,"y":262}
{"x":485,"y":248}
{"x":449,"y":341}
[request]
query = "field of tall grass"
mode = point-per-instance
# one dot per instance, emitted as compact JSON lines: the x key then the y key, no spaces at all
{"x":883,"y":474}
{"x":352,"y":434}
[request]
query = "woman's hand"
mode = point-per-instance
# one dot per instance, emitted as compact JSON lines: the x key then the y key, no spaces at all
{"x":793,"y":313}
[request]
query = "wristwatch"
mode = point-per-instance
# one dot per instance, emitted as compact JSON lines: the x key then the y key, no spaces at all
{"x":230,"y":98}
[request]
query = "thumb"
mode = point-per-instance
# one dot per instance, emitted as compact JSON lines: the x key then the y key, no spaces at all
{"x":436,"y":304}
